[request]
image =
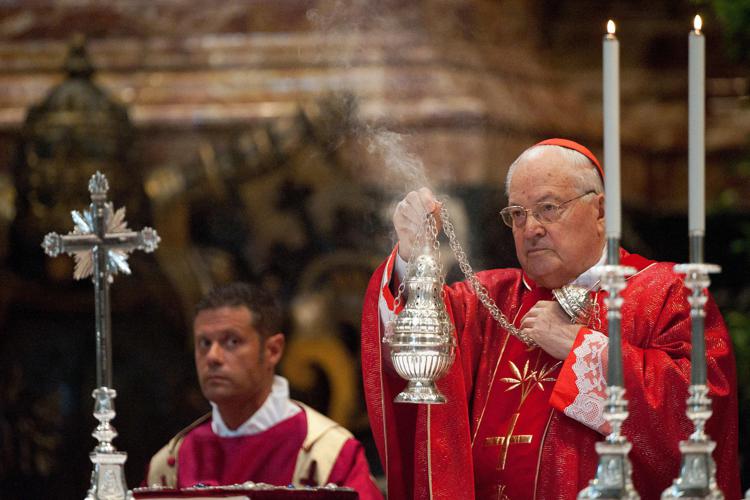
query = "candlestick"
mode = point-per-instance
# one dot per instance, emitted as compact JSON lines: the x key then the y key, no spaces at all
{"x":611,"y":104}
{"x":613,"y":282}
{"x":613,"y":474}
{"x":697,"y":477}
{"x":697,"y":280}
{"x":696,"y":130}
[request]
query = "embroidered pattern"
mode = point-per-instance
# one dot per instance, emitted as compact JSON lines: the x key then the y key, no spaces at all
{"x":589,"y":368}
{"x":528,"y":380}
{"x":504,"y":442}
{"x":501,"y":493}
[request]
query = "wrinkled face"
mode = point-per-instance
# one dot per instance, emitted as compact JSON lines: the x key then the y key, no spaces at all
{"x":554,"y":254}
{"x":234,"y":364}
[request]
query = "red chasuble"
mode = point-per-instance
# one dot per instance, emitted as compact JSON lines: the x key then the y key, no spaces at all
{"x":520,"y":424}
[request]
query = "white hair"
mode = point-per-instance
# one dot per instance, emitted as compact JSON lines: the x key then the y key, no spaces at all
{"x":584,"y":173}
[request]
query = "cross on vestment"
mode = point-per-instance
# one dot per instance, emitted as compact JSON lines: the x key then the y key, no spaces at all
{"x":505,"y":441}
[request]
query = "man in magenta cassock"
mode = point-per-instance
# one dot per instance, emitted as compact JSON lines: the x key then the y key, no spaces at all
{"x":254,"y":432}
{"x":521,"y":422}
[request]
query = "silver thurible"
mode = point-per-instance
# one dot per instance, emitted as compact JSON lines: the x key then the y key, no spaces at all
{"x":421,"y":341}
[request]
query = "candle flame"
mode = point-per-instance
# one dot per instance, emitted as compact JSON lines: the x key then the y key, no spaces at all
{"x":697,"y":23}
{"x":611,"y":27}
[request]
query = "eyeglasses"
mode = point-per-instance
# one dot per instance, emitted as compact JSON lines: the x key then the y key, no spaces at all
{"x":545,"y":212}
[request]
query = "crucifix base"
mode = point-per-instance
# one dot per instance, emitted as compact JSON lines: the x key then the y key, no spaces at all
{"x":108,"y":477}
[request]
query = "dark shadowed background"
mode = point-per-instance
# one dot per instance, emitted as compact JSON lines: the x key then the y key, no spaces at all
{"x":268,"y":140}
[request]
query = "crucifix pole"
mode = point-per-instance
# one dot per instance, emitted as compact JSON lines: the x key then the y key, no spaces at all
{"x":101,"y":290}
{"x":100,"y":244}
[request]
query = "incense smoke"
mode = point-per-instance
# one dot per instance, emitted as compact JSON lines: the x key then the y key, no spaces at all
{"x":346,"y":26}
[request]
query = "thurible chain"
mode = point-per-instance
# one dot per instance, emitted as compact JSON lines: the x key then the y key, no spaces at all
{"x":476,"y":285}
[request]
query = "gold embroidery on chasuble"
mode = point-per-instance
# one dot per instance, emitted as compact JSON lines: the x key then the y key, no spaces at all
{"x":526,"y":381}
{"x":501,"y":493}
{"x":505,"y":441}
{"x":511,"y":430}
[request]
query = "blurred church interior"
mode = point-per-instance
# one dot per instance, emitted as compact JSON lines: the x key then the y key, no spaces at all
{"x":268,"y":140}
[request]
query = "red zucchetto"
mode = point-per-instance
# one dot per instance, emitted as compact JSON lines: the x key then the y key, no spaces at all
{"x":568,"y":144}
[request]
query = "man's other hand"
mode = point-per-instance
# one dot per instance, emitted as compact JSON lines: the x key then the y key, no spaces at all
{"x":550,"y":328}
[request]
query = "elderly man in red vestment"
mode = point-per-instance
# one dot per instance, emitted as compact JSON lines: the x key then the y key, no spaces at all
{"x":521,"y":422}
{"x":255,"y":432}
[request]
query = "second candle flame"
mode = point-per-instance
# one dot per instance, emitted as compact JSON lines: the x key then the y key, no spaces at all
{"x":611,"y":27}
{"x":697,"y":23}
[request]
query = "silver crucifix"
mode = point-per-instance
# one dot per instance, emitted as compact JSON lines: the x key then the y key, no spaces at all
{"x":100,"y":244}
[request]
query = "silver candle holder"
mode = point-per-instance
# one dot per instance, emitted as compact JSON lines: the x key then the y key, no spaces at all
{"x":100,"y":244}
{"x":697,"y":477}
{"x":613,"y":478}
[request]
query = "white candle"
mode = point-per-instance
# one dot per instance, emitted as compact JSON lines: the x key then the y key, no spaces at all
{"x":611,"y":82}
{"x":611,"y":104}
{"x":696,"y":130}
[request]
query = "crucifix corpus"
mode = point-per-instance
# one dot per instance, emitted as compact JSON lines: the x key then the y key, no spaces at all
{"x":100,"y":243}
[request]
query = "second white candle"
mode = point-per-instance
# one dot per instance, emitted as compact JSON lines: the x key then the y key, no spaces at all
{"x":696,"y":130}
{"x":611,"y":82}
